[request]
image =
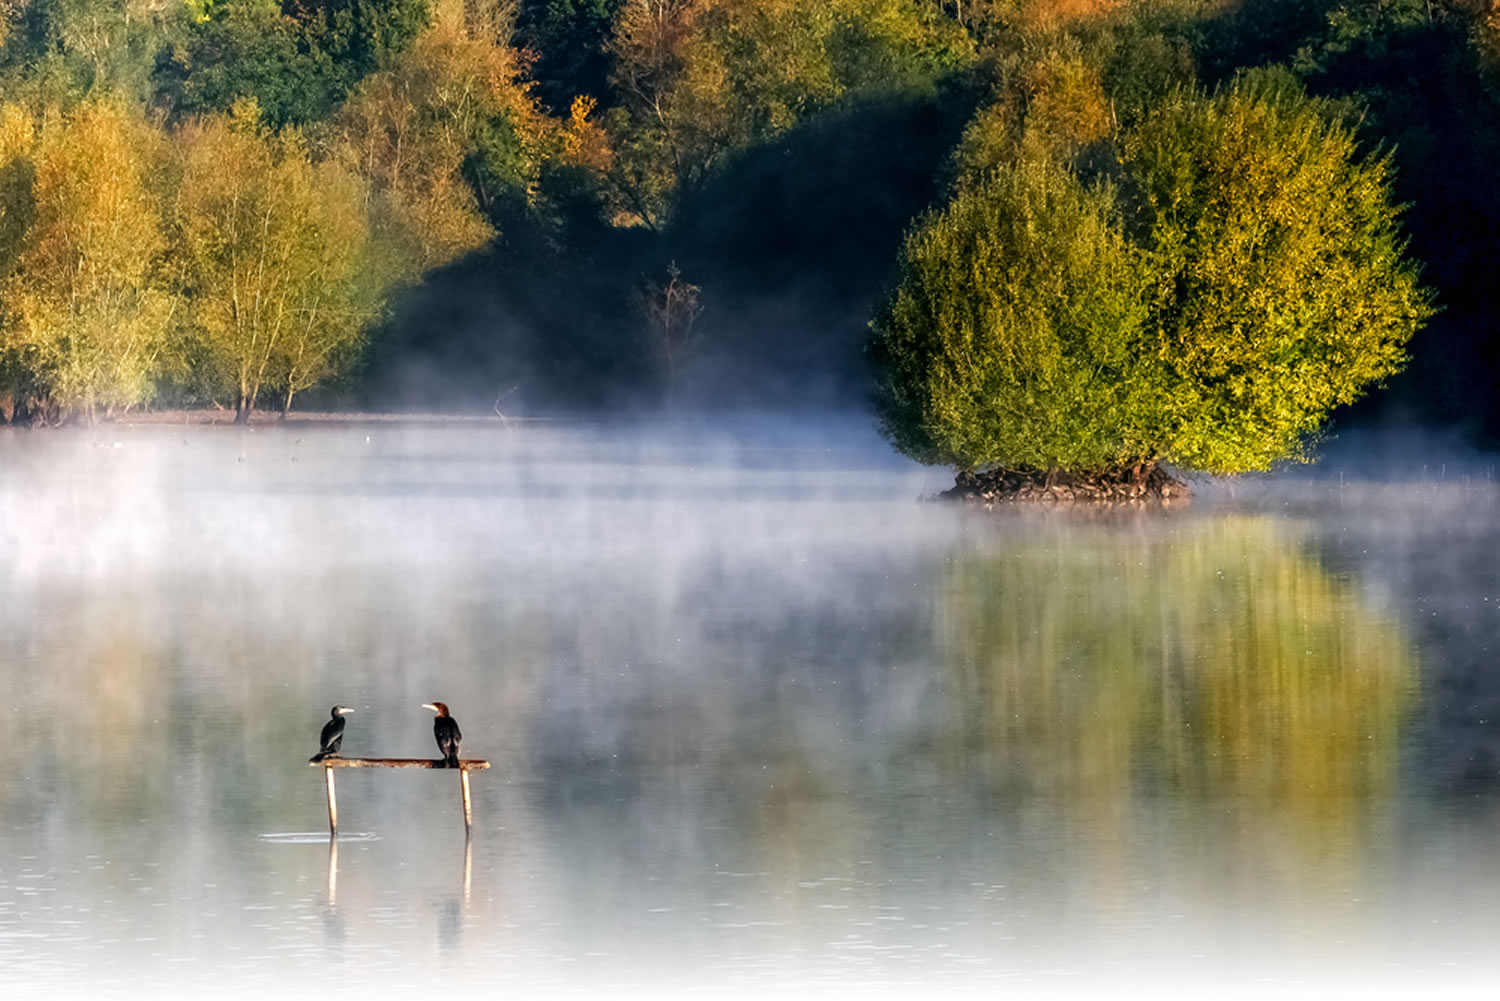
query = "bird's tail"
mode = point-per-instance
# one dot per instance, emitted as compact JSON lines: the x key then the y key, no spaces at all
{"x":451,"y":761}
{"x":318,"y":757}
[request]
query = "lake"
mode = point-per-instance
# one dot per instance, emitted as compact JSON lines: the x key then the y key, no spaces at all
{"x":760,"y":720}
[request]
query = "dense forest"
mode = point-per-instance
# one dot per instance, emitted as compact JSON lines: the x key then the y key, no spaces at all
{"x":567,"y":205}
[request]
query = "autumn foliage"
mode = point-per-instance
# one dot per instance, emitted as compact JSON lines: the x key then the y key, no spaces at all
{"x":1113,"y":252}
{"x":231,"y":260}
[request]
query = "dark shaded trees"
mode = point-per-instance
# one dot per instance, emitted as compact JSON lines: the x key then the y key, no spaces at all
{"x":699,"y":82}
{"x":244,"y":50}
{"x":569,"y":40}
{"x":296,"y":58}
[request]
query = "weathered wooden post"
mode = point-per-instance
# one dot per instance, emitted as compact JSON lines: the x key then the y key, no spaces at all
{"x":333,"y":803}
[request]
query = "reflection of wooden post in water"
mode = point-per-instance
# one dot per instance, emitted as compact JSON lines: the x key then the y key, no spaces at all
{"x":330,"y":763}
{"x":468,"y":867}
{"x":333,"y":872}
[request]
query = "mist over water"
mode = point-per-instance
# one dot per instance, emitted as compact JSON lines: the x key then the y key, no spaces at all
{"x":757,"y":719}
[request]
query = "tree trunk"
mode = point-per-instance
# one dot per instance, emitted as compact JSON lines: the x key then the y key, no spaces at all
{"x":287,"y":403}
{"x":242,"y":411}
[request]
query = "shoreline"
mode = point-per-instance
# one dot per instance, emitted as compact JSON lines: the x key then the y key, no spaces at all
{"x":272,"y":419}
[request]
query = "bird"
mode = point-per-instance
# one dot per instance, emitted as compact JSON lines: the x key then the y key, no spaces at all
{"x":332,"y":735}
{"x":445,"y":729}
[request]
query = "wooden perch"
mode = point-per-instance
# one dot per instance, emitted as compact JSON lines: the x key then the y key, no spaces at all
{"x":334,"y":761}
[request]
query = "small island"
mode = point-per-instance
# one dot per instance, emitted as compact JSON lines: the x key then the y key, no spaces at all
{"x":1147,"y":483}
{"x":1198,"y":293}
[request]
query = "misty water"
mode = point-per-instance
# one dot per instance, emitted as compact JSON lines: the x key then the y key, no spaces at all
{"x":759,"y":718}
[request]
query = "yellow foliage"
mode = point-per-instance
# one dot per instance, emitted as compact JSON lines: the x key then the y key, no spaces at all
{"x":1059,"y":13}
{"x":410,"y":128}
{"x":274,"y":252}
{"x":585,"y":144}
{"x":17,"y":132}
{"x":1066,"y":102}
{"x":1056,"y":106}
{"x":85,"y":307}
{"x":1487,"y":37}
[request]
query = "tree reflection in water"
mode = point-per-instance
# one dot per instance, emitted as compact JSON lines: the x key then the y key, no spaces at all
{"x":1202,"y":663}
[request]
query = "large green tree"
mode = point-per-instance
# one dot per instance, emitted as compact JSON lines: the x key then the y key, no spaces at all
{"x":1257,"y":280}
{"x":297,"y":58}
{"x":243,"y":49}
{"x":1281,"y":288}
{"x":1014,"y":338}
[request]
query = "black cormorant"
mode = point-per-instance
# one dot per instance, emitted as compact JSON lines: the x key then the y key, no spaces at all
{"x":445,"y":729}
{"x":333,"y":733}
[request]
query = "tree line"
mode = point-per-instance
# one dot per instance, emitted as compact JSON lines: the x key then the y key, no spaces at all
{"x":590,"y":202}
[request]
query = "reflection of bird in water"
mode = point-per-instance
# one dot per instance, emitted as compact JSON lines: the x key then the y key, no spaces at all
{"x":451,"y":917}
{"x":445,"y":729}
{"x":332,"y":735}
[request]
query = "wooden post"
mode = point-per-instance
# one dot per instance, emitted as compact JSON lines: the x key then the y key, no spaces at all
{"x":463,"y":780}
{"x":330,"y":763}
{"x":333,"y":804}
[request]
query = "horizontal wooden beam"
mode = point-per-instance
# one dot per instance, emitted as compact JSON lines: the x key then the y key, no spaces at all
{"x":337,"y":762}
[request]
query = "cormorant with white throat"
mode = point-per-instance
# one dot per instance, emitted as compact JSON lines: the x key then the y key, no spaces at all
{"x":445,"y":729}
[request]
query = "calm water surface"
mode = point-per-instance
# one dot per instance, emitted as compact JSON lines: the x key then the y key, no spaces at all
{"x":759,"y":721}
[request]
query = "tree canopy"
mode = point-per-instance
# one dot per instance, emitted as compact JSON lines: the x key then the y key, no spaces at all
{"x":1014,"y":336}
{"x":1281,"y":286}
{"x":1248,"y":278}
{"x":272,"y":254}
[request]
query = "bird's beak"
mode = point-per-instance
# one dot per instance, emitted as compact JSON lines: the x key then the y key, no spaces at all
{"x":429,"y":705}
{"x":345,"y":711}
